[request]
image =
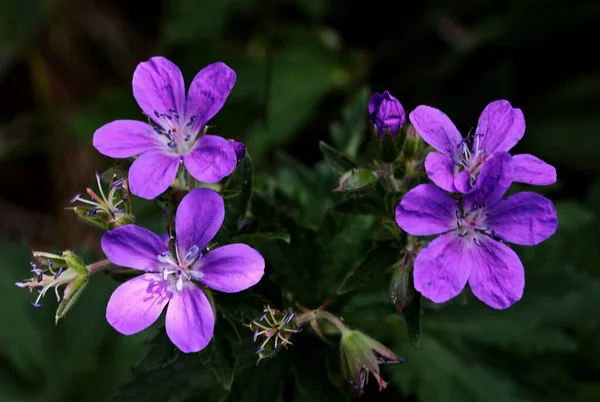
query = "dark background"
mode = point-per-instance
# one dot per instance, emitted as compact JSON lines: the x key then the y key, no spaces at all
{"x":66,"y":67}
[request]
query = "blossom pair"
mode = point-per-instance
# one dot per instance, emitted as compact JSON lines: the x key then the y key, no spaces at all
{"x":474,"y":223}
{"x":176,"y":130}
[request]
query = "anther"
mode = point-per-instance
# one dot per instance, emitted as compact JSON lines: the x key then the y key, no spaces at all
{"x":477,"y":242}
{"x":174,"y":113}
{"x":172,"y":144}
{"x":60,"y":270}
{"x":192,"y":254}
{"x":34,"y":304}
{"x":157,"y":114}
{"x":74,"y":199}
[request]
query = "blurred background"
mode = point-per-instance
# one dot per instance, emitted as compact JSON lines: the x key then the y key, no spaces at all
{"x":66,"y":68}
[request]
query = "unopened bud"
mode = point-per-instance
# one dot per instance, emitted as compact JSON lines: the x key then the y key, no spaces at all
{"x":361,"y":355}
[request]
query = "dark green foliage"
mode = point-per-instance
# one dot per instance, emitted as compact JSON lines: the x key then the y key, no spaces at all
{"x":65,"y":70}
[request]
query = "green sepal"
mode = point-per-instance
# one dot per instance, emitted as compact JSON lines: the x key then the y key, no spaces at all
{"x":388,"y":150}
{"x":359,"y":180}
{"x":76,"y":288}
{"x":75,"y":262}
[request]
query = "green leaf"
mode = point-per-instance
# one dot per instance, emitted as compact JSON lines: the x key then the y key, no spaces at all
{"x":239,"y":184}
{"x":358,"y":181}
{"x":160,"y":353}
{"x":68,"y":301}
{"x":412,"y":318}
{"x":338,"y":162}
{"x":360,"y":206}
{"x":350,"y":133}
{"x":256,"y":239}
{"x":218,"y":356}
{"x":378,"y":260}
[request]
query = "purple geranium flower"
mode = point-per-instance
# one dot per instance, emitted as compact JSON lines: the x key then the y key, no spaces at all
{"x":470,"y":246}
{"x":169,"y":279}
{"x":386,"y":112}
{"x":177,"y":129}
{"x":456,"y":167}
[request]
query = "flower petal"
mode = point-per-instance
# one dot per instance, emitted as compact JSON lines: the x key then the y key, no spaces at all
{"x":132,"y":246}
{"x":436,"y":129}
{"x":212,"y":158}
{"x":501,"y":125}
{"x":493,"y":182}
{"x":462,"y":182}
{"x":158,"y":86}
{"x":497,"y":277}
{"x":440,"y":170}
{"x":199,"y":217}
{"x":426,"y":210}
{"x":531,"y":170}
{"x":232,"y":268}
{"x":190,"y":320}
{"x":152,"y":173}
{"x":137,"y":304}
{"x":524,"y":218}
{"x":125,"y":138}
{"x":442,"y":268}
{"x":208,"y":93}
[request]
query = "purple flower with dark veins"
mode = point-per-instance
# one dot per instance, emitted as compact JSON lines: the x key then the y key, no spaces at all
{"x":177,"y":130}
{"x":472,"y":235}
{"x":456,"y":165}
{"x":386,"y":113}
{"x":170,"y":279}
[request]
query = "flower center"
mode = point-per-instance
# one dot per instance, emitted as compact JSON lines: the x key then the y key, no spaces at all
{"x":176,"y":133}
{"x":470,"y":158}
{"x":179,"y":270}
{"x":470,"y":224}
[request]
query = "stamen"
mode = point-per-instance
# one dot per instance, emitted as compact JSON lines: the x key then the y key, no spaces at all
{"x":36,"y":304}
{"x":187,"y":137}
{"x":192,"y":254}
{"x":192,"y":119}
{"x":174,"y":113}
{"x":60,"y":270}
{"x":118,"y":185}
{"x":57,"y":295}
{"x":172,"y":144}
{"x":157,"y":114}
{"x":74,"y":199}
{"x":477,"y":242}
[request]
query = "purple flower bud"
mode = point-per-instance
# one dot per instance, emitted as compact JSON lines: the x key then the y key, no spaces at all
{"x":239,"y":148}
{"x":386,"y":112}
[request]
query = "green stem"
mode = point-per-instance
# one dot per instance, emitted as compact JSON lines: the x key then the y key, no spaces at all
{"x":326,"y":315}
{"x":190,"y":181}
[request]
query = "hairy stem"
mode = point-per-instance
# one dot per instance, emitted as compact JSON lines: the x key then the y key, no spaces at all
{"x":98,"y":265}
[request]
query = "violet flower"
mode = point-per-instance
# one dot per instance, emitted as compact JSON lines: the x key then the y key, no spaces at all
{"x":386,"y":113}
{"x":472,"y":234}
{"x":176,"y":132}
{"x":456,"y":166}
{"x":169,"y":279}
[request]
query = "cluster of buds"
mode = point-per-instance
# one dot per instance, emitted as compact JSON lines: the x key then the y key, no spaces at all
{"x":361,"y":356}
{"x":50,"y":271}
{"x":274,"y":330}
{"x":105,"y":211}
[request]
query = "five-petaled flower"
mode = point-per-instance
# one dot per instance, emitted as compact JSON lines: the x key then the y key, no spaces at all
{"x":177,"y":129}
{"x":456,"y":165}
{"x":170,"y":279}
{"x":386,"y":113}
{"x":472,"y":231}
